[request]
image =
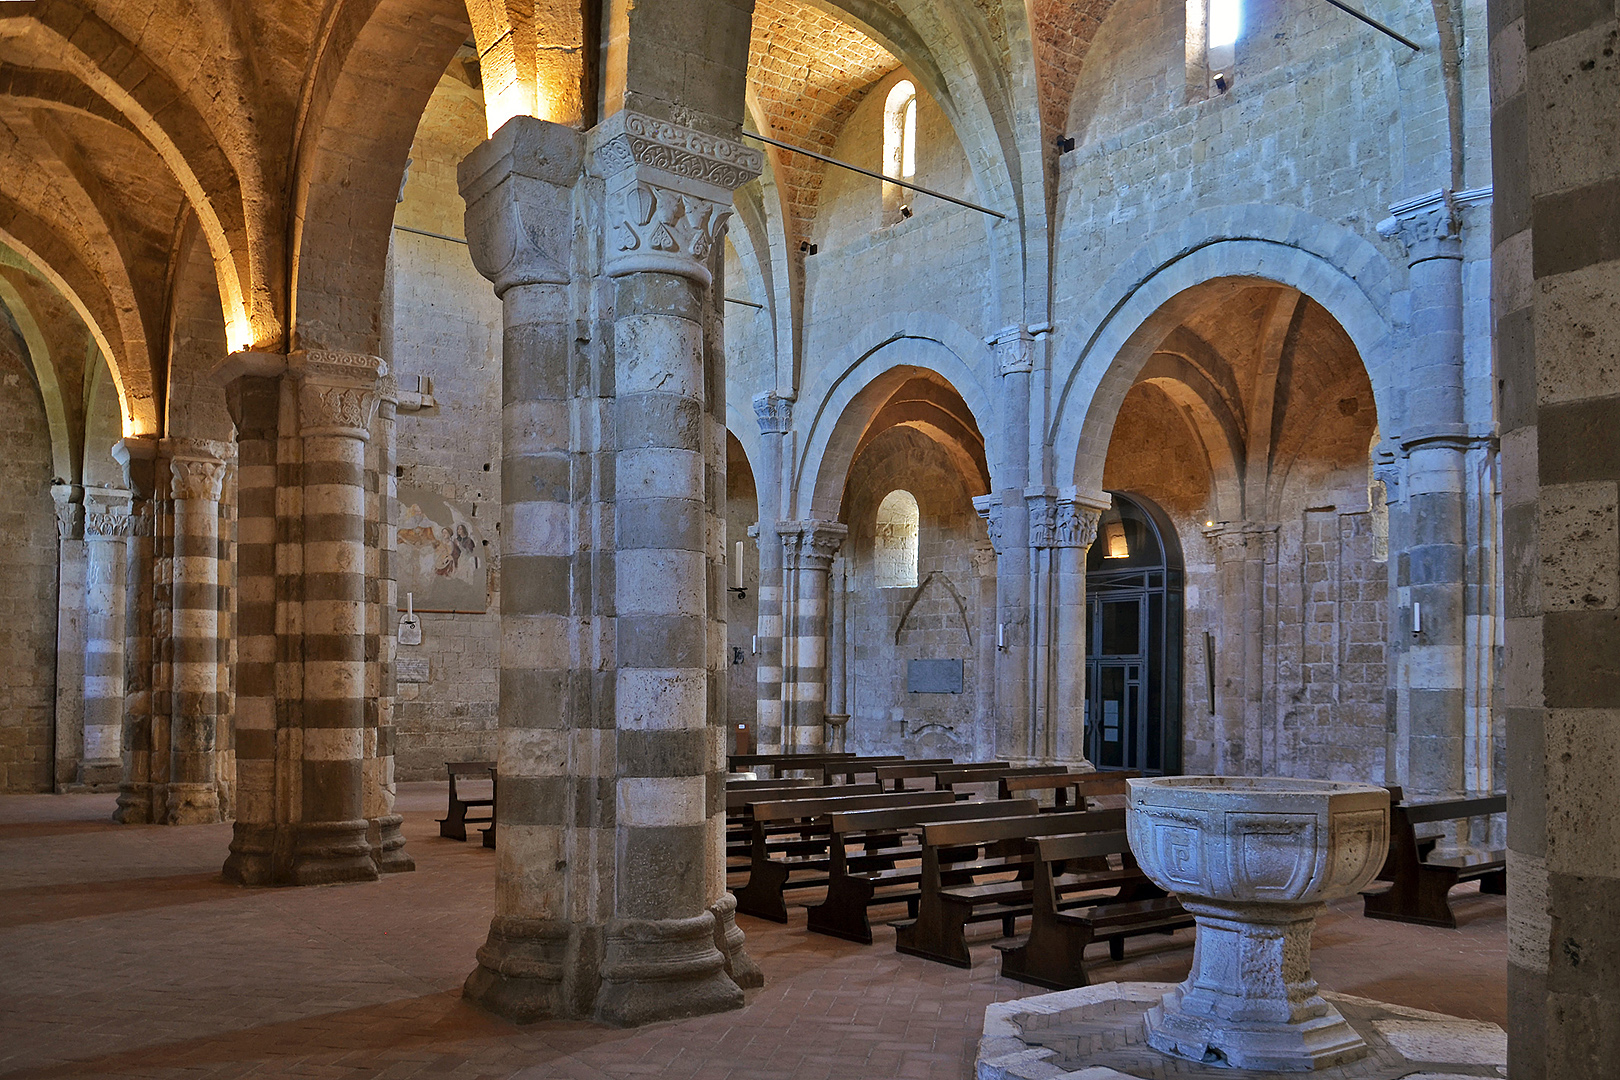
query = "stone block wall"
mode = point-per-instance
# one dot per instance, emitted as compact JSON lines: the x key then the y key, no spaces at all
{"x":28,"y":588}
{"x":446,"y":328}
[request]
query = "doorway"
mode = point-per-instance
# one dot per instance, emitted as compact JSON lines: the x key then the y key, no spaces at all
{"x":1134,"y":641}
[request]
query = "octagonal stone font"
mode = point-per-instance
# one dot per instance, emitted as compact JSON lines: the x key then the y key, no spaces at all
{"x":1255,"y":859}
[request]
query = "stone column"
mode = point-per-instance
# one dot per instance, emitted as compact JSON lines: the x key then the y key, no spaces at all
{"x":1245,"y":557}
{"x":775,"y":418}
{"x":555,"y":852}
{"x":1006,"y":514}
{"x":197,"y":477}
{"x":1073,"y":534}
{"x":1431,"y":569}
{"x":68,"y":750}
{"x":837,"y":714}
{"x":136,"y":455}
{"x":669,"y":191}
{"x":385,"y":825}
{"x":808,"y":548}
{"x":984,"y":725}
{"x":337,"y":399}
{"x":107,"y":525}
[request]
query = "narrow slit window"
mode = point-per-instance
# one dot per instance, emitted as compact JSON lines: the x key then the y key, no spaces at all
{"x":899,"y":148}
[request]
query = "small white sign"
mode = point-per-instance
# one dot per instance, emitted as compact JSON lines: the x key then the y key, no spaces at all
{"x":410,"y":624}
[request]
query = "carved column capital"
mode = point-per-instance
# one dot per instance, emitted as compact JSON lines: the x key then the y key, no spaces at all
{"x":775,"y":413}
{"x":518,"y":186}
{"x":668,"y":192}
{"x":135,"y":455}
{"x":989,"y":508}
{"x":338,"y":392}
{"x":984,"y":559}
{"x":1076,"y":525}
{"x":197,"y":467}
{"x":1015,"y":350}
{"x":69,"y":499}
{"x":1429,"y":227}
{"x":1042,"y":506}
{"x":811,"y":545}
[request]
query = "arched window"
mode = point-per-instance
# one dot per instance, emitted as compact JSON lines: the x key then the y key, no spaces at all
{"x":899,"y":146}
{"x":895,"y":551}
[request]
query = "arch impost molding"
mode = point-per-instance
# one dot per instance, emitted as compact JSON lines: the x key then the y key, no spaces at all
{"x":338,"y":392}
{"x":668,"y":192}
{"x":1014,"y":347}
{"x":775,"y":413}
{"x":811,"y":545}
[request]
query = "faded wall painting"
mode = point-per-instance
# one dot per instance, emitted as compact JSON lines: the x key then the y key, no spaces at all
{"x":442,"y":558}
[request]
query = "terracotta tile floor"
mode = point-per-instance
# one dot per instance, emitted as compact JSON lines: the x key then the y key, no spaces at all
{"x":122,"y":954}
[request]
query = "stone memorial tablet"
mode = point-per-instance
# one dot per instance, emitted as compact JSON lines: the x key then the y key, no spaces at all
{"x":934,"y":676}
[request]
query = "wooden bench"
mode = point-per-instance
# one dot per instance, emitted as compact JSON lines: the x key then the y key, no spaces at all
{"x":1420,"y":881}
{"x":788,"y":848}
{"x":780,"y":763}
{"x":956,"y":859}
{"x":863,"y":849}
{"x":895,"y":776}
{"x":1053,"y":955}
{"x":848,"y":770}
{"x":1084,"y":786}
{"x":738,"y":828}
{"x":970,"y":776}
{"x":454,"y":824}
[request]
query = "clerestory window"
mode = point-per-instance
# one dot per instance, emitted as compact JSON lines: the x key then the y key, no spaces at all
{"x":1213,"y":30}
{"x":895,"y":549}
{"x":899,"y":148}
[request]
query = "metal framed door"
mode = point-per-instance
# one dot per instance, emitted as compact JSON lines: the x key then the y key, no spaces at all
{"x":1116,"y":699}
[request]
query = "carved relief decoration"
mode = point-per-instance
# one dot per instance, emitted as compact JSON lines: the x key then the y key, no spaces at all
{"x":1042,"y":520}
{"x":108,"y":524}
{"x":990,"y":509}
{"x":1429,"y":228}
{"x":69,"y":521}
{"x":197,"y":479}
{"x":1076,"y":525}
{"x":680,"y":151}
{"x":1015,"y":351}
{"x":338,"y":410}
{"x":811,"y":545}
{"x":661,"y":229}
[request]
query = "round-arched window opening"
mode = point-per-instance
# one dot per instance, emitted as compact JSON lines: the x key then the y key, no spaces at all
{"x":894,"y":550}
{"x":899,"y":147}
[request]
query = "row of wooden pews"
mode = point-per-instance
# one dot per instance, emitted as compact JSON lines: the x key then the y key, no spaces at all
{"x":958,"y":845}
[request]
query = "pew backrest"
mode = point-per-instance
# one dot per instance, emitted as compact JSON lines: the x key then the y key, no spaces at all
{"x":739,"y":800}
{"x":916,"y":770}
{"x":1086,"y":845}
{"x":766,"y":785}
{"x":957,"y":775}
{"x":1451,"y":810}
{"x":989,"y":830}
{"x":848,"y":767}
{"x":858,"y":821}
{"x":804,"y":809}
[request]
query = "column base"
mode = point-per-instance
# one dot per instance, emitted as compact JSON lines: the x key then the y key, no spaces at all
{"x":134,"y":804}
{"x":252,"y":857}
{"x":330,"y":853}
{"x":99,"y":776}
{"x":1318,"y":1043}
{"x":663,"y":970}
{"x":728,"y":938}
{"x":388,"y":844}
{"x":192,"y":804}
{"x":520,"y":970}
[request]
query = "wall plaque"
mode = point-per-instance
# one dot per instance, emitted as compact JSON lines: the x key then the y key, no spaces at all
{"x":411,"y":669}
{"x":934,"y":676}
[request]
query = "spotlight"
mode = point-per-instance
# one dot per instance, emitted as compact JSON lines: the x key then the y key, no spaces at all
{"x":1064,"y":143}
{"x":905,"y":210}
{"x":806,"y":247}
{"x":1220,"y":81}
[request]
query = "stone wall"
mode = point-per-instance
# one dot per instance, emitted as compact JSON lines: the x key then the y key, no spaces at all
{"x":28,"y":588}
{"x":938,"y":619}
{"x":446,"y":329}
{"x":742,"y":612}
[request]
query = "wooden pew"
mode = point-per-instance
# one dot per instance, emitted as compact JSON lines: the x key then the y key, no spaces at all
{"x":1420,"y":881}
{"x":969,"y":776}
{"x":953,"y":894}
{"x":780,"y":763}
{"x":454,"y":824}
{"x":765,"y":785}
{"x":1053,"y":955}
{"x":848,"y":770}
{"x":788,"y":849}
{"x":1084,"y":786}
{"x":864,"y":847}
{"x":738,"y":832}
{"x":895,"y":776}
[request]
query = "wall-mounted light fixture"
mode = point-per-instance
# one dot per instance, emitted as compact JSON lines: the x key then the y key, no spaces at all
{"x":1220,"y":81}
{"x":905,"y":210}
{"x":736,"y":585}
{"x":1001,"y":636}
{"x":1064,"y":144}
{"x":806,"y":247}
{"x":1417,"y":617}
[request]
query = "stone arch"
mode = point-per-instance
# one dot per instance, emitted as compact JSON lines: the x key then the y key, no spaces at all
{"x":1106,"y":345}
{"x":935,"y":581}
{"x":844,"y":400}
{"x":39,"y":358}
{"x":355,"y":136}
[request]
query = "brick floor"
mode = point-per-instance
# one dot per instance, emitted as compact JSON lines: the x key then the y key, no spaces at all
{"x":123,"y":955}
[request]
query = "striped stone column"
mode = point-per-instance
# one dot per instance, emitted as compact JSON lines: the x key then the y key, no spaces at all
{"x":107,"y":525}
{"x":136,"y":456}
{"x":68,"y":738}
{"x":775,"y":418}
{"x":668,"y":190}
{"x":255,"y":399}
{"x":1074,"y":532}
{"x":197,"y":477}
{"x":808,"y":548}
{"x":337,"y":401}
{"x":554,"y":819}
{"x":385,"y":825}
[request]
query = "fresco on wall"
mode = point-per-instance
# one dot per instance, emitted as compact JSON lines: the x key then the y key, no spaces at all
{"x":441,"y":557}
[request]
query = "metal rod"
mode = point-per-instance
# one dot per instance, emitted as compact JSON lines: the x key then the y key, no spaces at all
{"x":1376,"y":25}
{"x":745,"y":303}
{"x":435,"y":235}
{"x":876,"y":176}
